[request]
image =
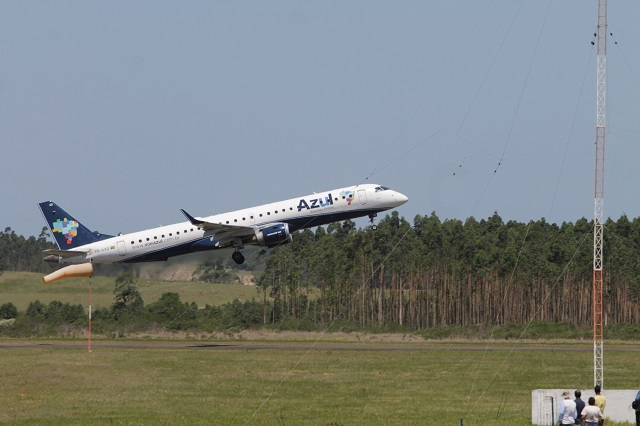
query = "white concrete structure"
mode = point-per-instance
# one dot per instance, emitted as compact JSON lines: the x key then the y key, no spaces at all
{"x":544,"y":404}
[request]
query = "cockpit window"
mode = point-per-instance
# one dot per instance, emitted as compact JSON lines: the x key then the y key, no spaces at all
{"x":381,"y":188}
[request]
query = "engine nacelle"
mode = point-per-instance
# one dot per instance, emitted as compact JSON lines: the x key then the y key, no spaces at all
{"x":274,"y":235}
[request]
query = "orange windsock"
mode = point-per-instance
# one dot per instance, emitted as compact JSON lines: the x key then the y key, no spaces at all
{"x":72,"y":271}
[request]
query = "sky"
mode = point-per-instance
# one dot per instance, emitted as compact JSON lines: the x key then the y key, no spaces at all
{"x":124,"y":112}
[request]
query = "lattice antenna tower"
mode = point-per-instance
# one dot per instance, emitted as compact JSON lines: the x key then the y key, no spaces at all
{"x":598,"y":220}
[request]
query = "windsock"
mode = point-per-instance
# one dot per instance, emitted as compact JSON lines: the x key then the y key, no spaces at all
{"x":72,"y":271}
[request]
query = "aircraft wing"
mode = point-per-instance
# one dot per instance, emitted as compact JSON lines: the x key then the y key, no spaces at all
{"x":217,"y":227}
{"x":65,"y":254}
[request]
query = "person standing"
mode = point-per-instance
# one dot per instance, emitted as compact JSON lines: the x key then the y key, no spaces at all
{"x":591,"y":414}
{"x":579,"y":406}
{"x":601,"y":402}
{"x":567,"y":410}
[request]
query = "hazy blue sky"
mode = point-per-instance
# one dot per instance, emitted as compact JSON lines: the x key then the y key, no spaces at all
{"x":123,"y":112}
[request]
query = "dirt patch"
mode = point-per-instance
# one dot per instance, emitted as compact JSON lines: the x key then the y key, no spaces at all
{"x":167,"y":272}
{"x":182,"y":273}
{"x":246,"y":278}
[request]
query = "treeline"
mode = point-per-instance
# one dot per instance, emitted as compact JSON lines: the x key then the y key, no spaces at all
{"x":18,"y":253}
{"x":435,"y":273}
{"x":418,"y":276}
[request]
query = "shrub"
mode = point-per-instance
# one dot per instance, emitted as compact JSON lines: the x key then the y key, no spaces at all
{"x":35,"y":309}
{"x":170,"y":312}
{"x":8,"y":311}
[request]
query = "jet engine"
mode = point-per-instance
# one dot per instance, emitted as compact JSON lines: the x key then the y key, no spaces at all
{"x":274,"y":235}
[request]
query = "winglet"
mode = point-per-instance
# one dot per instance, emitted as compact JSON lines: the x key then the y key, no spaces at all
{"x":192,"y":219}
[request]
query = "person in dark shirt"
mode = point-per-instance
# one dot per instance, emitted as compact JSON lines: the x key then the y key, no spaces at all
{"x":637,"y":408}
{"x":579,"y":406}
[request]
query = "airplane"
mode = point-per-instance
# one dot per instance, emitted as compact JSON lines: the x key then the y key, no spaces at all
{"x":267,"y":225}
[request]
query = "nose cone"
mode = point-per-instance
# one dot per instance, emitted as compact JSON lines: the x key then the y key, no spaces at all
{"x":399,"y":198}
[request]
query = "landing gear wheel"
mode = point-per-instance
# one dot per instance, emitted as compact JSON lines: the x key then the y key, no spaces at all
{"x":373,"y":225}
{"x":238,"y":257}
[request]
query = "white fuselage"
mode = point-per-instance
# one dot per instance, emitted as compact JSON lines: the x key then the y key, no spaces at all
{"x":234,"y":229}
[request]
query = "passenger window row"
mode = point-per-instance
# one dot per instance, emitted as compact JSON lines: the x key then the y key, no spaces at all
{"x":163,"y":235}
{"x":227,"y":222}
{"x":260,"y":215}
{"x":274,"y":212}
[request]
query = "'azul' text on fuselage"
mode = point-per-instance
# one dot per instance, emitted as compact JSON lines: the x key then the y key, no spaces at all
{"x":315,"y":203}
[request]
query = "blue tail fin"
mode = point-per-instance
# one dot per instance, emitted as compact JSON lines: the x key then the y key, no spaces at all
{"x":67,"y":231}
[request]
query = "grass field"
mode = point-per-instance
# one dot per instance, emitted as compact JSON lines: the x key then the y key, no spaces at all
{"x":347,"y":379}
{"x":424,"y":383}
{"x":21,"y":288}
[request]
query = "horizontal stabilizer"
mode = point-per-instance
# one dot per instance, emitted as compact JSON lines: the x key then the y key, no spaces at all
{"x":65,"y":254}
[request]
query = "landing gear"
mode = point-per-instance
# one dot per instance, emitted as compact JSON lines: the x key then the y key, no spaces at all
{"x":371,"y":217}
{"x":238,"y":257}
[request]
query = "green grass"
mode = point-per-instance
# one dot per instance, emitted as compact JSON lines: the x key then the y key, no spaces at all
{"x":21,"y":288}
{"x":144,"y":385}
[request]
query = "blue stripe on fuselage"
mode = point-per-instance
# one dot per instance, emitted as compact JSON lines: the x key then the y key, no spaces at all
{"x":324,"y":219}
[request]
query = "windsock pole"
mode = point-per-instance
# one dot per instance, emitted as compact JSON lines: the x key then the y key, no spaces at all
{"x":75,"y":271}
{"x":89,"y":341}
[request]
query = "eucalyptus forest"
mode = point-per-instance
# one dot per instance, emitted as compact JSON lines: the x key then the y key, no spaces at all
{"x":441,"y":273}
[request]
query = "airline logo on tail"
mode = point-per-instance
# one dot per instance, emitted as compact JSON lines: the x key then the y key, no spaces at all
{"x":68,"y":228}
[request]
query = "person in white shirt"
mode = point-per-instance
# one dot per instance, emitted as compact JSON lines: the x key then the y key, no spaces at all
{"x":591,"y":414}
{"x":567,"y":410}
